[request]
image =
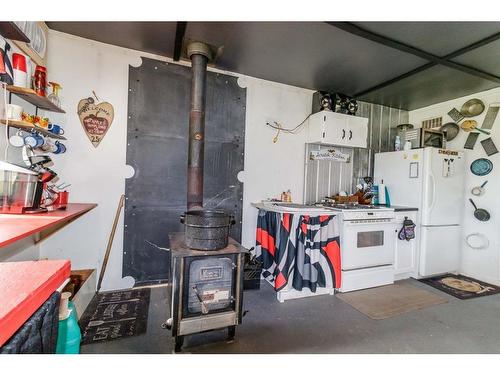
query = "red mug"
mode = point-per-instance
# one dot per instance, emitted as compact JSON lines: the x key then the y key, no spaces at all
{"x":62,"y":198}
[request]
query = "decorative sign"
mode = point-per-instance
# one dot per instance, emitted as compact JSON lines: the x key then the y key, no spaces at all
{"x":96,"y":119}
{"x":329,"y":154}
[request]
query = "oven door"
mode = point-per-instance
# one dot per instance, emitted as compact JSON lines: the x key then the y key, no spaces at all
{"x":368,"y":243}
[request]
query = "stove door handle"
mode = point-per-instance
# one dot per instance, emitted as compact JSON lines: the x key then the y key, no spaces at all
{"x":204,"y":307}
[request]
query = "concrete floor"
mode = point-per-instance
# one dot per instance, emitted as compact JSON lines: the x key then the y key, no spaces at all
{"x":325,"y":324}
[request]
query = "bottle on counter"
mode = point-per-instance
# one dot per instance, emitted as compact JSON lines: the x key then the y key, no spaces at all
{"x":286,"y":196}
{"x":397,"y":143}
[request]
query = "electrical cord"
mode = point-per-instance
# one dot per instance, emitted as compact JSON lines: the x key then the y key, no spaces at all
{"x":294,"y":130}
{"x":276,"y":125}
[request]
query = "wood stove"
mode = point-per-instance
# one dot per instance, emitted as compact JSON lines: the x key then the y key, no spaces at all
{"x":206,"y":285}
{"x":206,"y":289}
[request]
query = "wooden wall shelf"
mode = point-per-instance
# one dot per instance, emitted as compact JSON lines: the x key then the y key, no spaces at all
{"x":28,"y":126}
{"x":15,"y":227}
{"x":10,"y":30}
{"x":32,"y":97}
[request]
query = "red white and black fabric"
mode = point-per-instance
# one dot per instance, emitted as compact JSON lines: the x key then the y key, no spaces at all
{"x":301,"y":250}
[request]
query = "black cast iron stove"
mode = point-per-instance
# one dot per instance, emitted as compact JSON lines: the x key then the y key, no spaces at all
{"x":206,"y":285}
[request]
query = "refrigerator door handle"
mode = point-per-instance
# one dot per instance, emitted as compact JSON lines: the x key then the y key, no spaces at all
{"x":432,"y":192}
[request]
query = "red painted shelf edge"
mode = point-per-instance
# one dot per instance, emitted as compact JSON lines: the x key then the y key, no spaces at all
{"x":16,"y":317}
{"x":59,"y":217}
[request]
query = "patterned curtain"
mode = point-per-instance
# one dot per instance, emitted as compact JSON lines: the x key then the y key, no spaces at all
{"x":299,"y":249}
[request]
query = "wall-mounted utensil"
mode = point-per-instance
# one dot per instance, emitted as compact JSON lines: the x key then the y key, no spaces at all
{"x":472,"y":107}
{"x":489,"y":146}
{"x":432,"y":123}
{"x":451,"y":130}
{"x":477,"y":241}
{"x":479,"y":190}
{"x":456,"y":115}
{"x":470,"y":125}
{"x":471,"y":141}
{"x":491,"y":115}
{"x":481,"y":167}
{"x":480,"y":213}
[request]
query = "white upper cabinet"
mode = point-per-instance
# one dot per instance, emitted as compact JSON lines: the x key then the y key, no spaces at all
{"x":337,"y":129}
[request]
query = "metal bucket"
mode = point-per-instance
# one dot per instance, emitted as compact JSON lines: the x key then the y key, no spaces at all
{"x":206,"y":229}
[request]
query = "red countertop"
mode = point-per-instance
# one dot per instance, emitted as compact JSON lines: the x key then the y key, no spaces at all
{"x":16,"y":227}
{"x":24,"y":287}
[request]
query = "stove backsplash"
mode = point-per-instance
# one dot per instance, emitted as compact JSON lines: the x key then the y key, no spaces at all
{"x":336,"y":176}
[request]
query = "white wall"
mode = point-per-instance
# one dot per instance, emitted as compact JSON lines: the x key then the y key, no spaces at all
{"x":271,"y":168}
{"x":481,"y":264}
{"x":98,"y":174}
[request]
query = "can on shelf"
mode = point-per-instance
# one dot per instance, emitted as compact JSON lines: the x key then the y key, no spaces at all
{"x":40,"y":81}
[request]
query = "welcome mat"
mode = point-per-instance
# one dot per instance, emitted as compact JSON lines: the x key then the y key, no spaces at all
{"x":114,"y":315}
{"x":460,"y":286}
{"x":390,"y":300}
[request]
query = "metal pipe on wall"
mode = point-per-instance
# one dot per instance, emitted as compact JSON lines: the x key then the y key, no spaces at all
{"x":199,"y":53}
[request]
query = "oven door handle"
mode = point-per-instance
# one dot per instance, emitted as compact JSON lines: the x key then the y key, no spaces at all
{"x":368,"y":222}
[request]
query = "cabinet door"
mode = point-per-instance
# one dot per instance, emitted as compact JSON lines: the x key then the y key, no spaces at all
{"x":406,"y":251}
{"x":336,"y":129}
{"x":357,"y":131}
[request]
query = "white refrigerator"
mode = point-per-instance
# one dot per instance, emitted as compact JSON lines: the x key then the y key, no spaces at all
{"x":432,"y":180}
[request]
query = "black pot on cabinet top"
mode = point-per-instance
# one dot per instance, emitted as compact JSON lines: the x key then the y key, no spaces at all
{"x":207,"y":229}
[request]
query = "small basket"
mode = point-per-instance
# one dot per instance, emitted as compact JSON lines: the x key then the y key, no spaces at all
{"x":251,"y":273}
{"x":349,"y":199}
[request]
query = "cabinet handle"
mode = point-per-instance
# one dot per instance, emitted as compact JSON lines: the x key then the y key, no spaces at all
{"x":343,"y":133}
{"x":350,"y":134}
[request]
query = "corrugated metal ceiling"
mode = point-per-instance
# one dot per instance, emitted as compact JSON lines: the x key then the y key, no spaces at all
{"x":319,"y":56}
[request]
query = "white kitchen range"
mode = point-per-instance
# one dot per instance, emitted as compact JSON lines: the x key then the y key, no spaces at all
{"x":367,"y":245}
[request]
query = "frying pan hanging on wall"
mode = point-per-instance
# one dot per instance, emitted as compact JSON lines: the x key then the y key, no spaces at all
{"x":480,"y":213}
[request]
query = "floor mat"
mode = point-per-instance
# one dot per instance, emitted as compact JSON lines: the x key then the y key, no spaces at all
{"x":390,"y":300}
{"x":460,"y":286}
{"x":114,"y":315}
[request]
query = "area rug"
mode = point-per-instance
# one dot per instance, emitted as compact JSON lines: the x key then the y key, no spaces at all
{"x":390,"y":300}
{"x":115,"y":315}
{"x":460,"y":286}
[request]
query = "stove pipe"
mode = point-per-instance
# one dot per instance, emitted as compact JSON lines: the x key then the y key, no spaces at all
{"x":200,"y":54}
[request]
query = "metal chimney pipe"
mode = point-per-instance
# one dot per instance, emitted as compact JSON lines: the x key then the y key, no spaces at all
{"x":200,"y":54}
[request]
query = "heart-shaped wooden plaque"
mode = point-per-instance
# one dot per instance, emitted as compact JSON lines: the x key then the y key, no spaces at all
{"x":96,"y":119}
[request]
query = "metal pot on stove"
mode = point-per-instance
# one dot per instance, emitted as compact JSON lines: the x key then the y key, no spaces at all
{"x":207,"y":229}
